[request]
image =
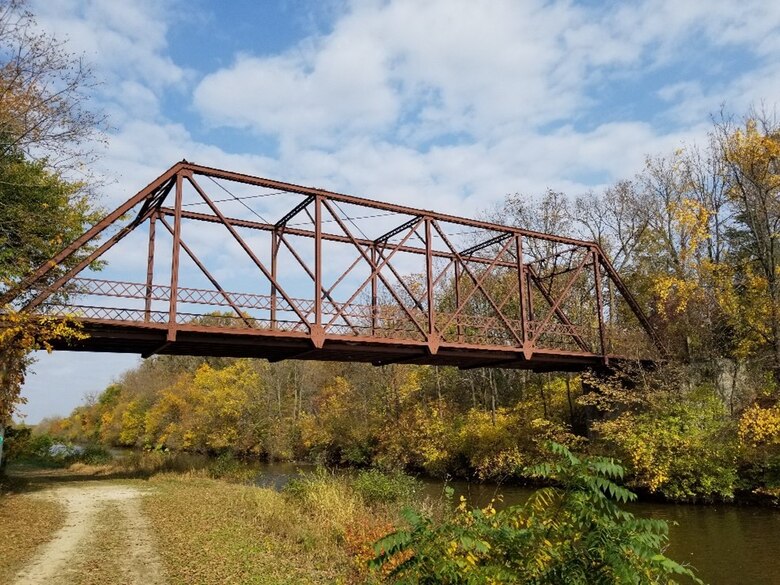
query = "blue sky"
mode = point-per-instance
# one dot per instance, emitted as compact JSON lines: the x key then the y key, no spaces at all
{"x":457,"y":101}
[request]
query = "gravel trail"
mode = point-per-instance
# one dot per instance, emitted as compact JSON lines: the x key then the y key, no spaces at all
{"x":56,"y":562}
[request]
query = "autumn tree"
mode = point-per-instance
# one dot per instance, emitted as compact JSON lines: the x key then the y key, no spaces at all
{"x":751,"y":154}
{"x":615,"y":219}
{"x":46,"y":134}
{"x":44,"y":110}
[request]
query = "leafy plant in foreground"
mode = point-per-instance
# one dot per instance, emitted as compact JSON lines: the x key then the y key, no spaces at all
{"x":574,"y":533}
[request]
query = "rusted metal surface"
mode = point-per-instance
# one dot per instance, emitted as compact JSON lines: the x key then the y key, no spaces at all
{"x":403,"y":289}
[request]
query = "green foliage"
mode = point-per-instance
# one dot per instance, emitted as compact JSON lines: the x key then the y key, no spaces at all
{"x":93,"y":455}
{"x":377,"y":487}
{"x":575,"y":533}
{"x":678,"y":442}
{"x":15,"y":442}
{"x":41,"y":212}
{"x":226,"y":466}
{"x":26,"y":445}
{"x":45,"y":449}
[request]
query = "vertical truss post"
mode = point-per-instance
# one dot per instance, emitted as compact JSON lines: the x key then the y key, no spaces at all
{"x":374,"y":300}
{"x":530,"y":301}
{"x":274,"y":254}
{"x":174,"y":293}
{"x":429,"y":279}
{"x":599,"y":303}
{"x":150,"y":268}
{"x":457,"y":302}
{"x":521,"y":285}
{"x":317,"y":331}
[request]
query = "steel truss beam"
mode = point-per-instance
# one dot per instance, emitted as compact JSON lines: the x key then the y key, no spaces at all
{"x":493,"y":321}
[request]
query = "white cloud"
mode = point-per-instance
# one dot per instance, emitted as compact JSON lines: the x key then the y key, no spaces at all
{"x":355,"y":108}
{"x":121,"y":40}
{"x":340,"y":93}
{"x":440,"y":66}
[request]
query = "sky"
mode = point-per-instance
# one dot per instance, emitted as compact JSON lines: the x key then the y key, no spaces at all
{"x":454,"y":103}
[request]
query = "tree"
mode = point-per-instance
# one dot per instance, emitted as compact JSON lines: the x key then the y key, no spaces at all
{"x":19,"y":336}
{"x":751,"y":154}
{"x":45,"y":133}
{"x":43,"y":93}
{"x":40,"y":212}
{"x":615,"y":219}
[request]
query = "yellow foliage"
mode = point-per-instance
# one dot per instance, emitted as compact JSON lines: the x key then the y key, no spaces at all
{"x":759,"y":426}
{"x":132,"y":424}
{"x":492,"y":446}
{"x":691,"y":224}
{"x":221,"y":399}
{"x":747,"y":307}
{"x":756,"y":153}
{"x":20,"y":334}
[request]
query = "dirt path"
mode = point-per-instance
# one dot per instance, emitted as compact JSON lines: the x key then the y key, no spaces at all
{"x":57,"y":561}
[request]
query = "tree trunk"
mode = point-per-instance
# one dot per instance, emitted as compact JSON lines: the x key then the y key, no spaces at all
{"x":2,"y":441}
{"x":492,"y":397}
{"x":568,"y":397}
{"x":438,"y":389}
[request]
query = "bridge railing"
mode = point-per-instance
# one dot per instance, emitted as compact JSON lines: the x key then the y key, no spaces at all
{"x":382,"y":322}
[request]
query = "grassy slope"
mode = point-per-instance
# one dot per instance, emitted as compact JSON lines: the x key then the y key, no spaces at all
{"x":210,"y":531}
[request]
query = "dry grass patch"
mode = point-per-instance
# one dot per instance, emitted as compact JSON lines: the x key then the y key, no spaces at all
{"x":210,"y":531}
{"x":27,"y":522}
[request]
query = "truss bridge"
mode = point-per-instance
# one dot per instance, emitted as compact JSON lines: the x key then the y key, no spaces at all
{"x":210,"y":262}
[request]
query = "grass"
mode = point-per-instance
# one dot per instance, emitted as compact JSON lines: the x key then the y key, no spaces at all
{"x":319,"y":530}
{"x":210,"y":531}
{"x":215,"y":532}
{"x":27,"y":522}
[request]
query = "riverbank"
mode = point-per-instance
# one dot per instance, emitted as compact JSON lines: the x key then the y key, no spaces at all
{"x":107,"y":524}
{"x":245,"y":527}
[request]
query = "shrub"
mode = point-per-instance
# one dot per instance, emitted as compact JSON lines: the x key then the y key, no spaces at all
{"x":684,"y":450}
{"x":48,"y":450}
{"x":157,"y":461}
{"x":93,"y":455}
{"x":574,"y":534}
{"x":328,"y":498}
{"x":226,"y":466}
{"x":377,"y":487}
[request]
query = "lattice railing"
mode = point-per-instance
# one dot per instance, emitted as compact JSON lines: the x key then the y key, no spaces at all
{"x":354,"y":319}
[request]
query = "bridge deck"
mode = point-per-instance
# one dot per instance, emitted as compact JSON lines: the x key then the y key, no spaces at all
{"x":151,"y":338}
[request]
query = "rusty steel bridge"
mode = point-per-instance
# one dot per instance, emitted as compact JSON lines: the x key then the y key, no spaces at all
{"x":332,"y":277}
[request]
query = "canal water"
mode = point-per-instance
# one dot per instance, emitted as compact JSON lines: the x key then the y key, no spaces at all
{"x":728,"y":545}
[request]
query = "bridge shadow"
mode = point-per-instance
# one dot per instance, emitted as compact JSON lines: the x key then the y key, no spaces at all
{"x":21,"y":478}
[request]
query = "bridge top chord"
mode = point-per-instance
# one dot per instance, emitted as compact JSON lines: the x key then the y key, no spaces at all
{"x":333,"y":277}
